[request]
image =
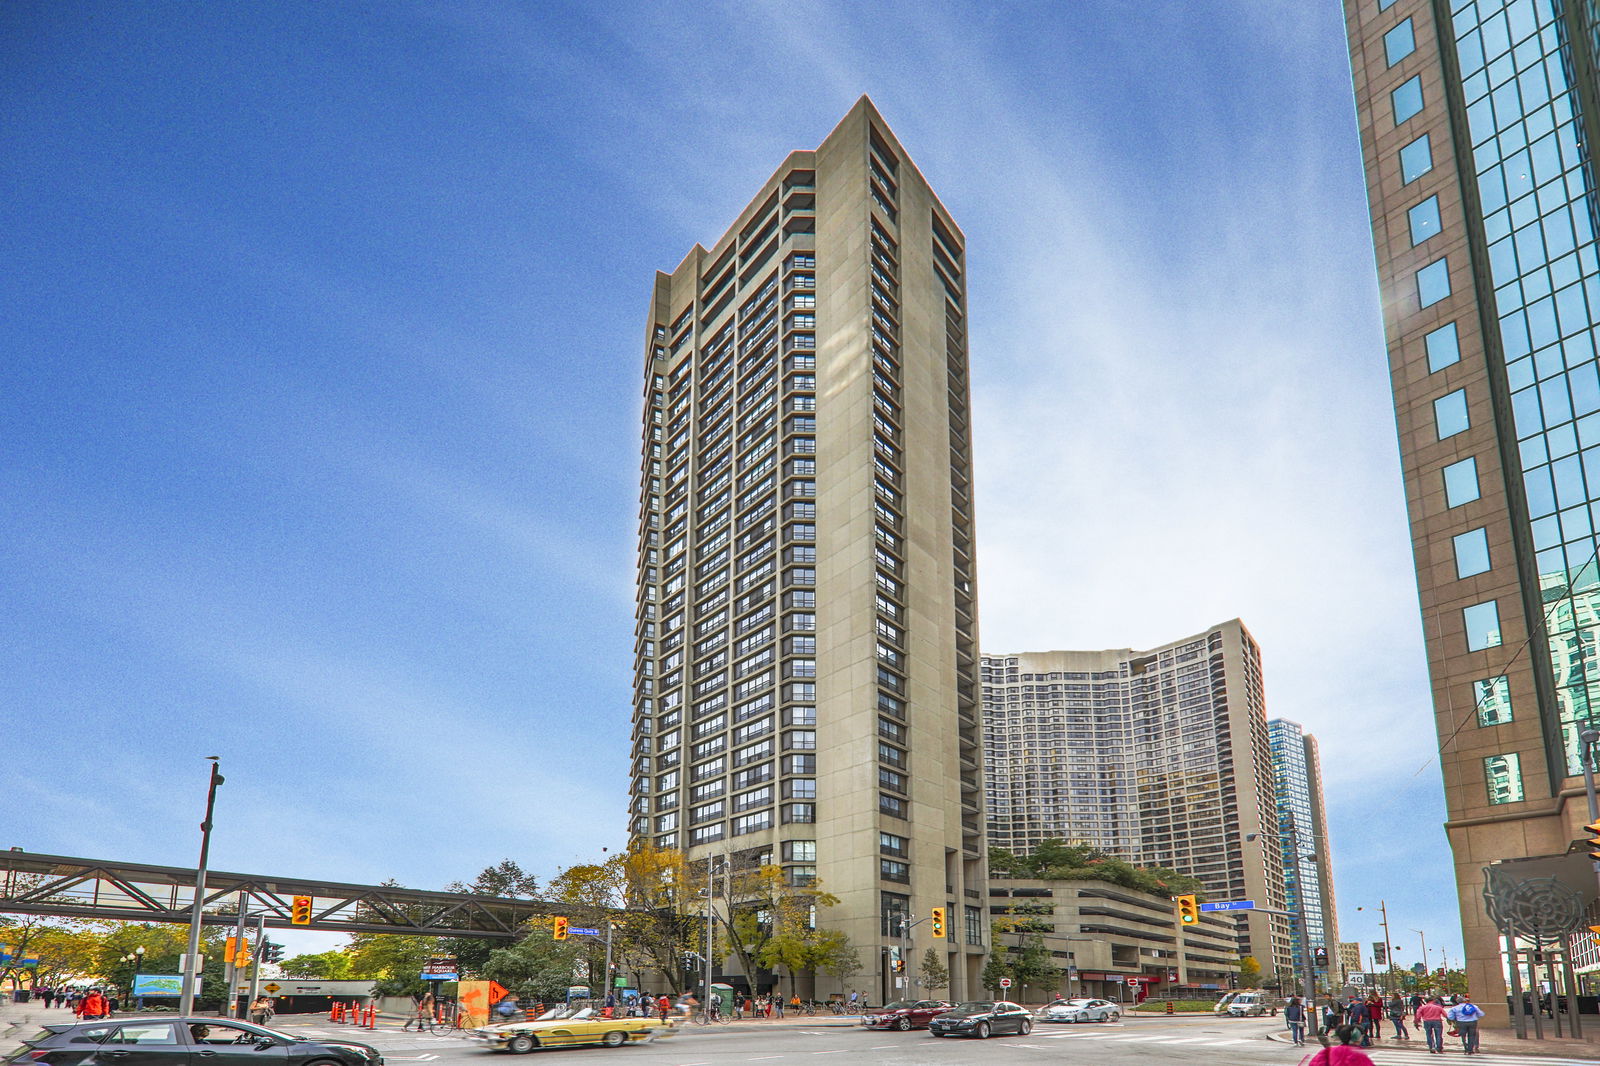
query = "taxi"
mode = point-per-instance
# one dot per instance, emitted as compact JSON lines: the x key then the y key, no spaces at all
{"x":567,"y":1028}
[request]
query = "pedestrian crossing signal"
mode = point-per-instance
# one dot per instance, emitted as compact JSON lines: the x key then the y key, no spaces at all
{"x":300,"y":912}
{"x":936,"y":924}
{"x":1188,"y":910}
{"x":559,"y":929}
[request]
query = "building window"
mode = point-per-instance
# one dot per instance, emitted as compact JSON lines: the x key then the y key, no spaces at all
{"x":799,"y":851}
{"x":1503,"y":775}
{"x":974,"y":926}
{"x":1450,"y":414}
{"x":1424,"y":220}
{"x":1444,"y":347}
{"x":1407,"y":100}
{"x":1461,"y":482}
{"x":1483,"y":625}
{"x":800,"y":813}
{"x":1472,"y":552}
{"x":1492,"y":696}
{"x":894,"y":870}
{"x":892,"y":906}
{"x":893,"y":806}
{"x":1416,"y":159}
{"x":890,"y":844}
{"x":1399,"y":42}
{"x":1433,"y":283}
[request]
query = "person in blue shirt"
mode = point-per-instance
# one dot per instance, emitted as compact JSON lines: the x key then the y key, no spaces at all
{"x":1465,"y":1016}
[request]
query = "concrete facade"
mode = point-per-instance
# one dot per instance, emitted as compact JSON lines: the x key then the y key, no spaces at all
{"x":1107,"y":933}
{"x":806,"y":678}
{"x":1473,"y":125}
{"x":1160,"y":757}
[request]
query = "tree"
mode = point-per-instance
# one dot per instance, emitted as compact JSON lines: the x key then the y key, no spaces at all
{"x":997,"y":967}
{"x":505,"y":879}
{"x":537,"y":965}
{"x":656,"y":929}
{"x":1249,"y":972}
{"x":774,"y":924}
{"x":393,"y":960}
{"x":933,"y":972}
{"x":326,"y":966}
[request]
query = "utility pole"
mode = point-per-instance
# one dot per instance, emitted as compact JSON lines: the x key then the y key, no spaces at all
{"x":1388,"y":948}
{"x":255,"y":967}
{"x":1422,"y":938}
{"x":191,"y":967}
{"x":711,"y":866}
{"x":610,"y":984}
{"x":230,"y":969}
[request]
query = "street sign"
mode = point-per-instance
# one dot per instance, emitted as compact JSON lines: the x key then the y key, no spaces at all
{"x":1230,"y":905}
{"x":578,"y":930}
{"x":272,"y":987}
{"x":1005,"y":982}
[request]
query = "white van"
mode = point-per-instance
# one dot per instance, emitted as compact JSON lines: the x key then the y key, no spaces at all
{"x":1251,"y":1005}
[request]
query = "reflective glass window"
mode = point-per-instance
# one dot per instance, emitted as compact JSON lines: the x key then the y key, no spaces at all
{"x":1433,"y":283}
{"x":1384,"y":5}
{"x":1444,"y":347}
{"x":1407,"y":100}
{"x":1461,"y":482}
{"x":1424,"y":220}
{"x":1416,"y":159}
{"x":1483,"y":625}
{"x":1492,"y":697}
{"x":1399,"y":42}
{"x":1450,"y":414}
{"x":1472,"y":552}
{"x":1503,"y":776}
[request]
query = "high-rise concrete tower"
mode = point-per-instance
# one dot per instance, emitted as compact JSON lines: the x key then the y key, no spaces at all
{"x":806,"y":690}
{"x":1159,"y":757}
{"x":1478,"y":123}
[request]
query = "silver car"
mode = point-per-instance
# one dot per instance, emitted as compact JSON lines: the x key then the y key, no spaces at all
{"x":1081,"y":1010}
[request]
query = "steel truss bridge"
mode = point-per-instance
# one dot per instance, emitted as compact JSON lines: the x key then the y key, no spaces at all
{"x":66,"y":887}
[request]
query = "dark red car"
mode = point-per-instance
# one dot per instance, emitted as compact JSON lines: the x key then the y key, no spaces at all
{"x":904,"y":1014}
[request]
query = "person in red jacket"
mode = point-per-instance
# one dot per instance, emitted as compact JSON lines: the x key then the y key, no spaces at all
{"x":93,"y":1006}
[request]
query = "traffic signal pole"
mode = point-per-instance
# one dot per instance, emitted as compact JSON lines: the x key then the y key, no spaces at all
{"x":191,"y":965}
{"x":255,"y":966}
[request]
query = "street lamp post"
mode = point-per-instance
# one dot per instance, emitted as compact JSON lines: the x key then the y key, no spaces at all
{"x":1388,"y":947}
{"x":1423,"y":940}
{"x":191,"y":966}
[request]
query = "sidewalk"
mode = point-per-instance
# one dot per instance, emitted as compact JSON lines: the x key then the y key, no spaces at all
{"x":1491,"y":1041}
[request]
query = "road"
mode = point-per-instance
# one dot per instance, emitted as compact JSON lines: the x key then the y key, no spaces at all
{"x":1226,"y":1042}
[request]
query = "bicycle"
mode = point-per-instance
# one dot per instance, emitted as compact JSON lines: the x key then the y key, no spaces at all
{"x":712,"y":1016}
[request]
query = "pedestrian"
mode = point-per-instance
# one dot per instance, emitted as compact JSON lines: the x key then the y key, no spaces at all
{"x":1397,"y":1017}
{"x":1332,"y":1016}
{"x":777,"y":1006}
{"x":1341,"y":1050}
{"x":1430,"y":1017}
{"x":48,"y":996}
{"x":853,"y":998}
{"x":93,"y":1006}
{"x":664,"y":1005}
{"x":1465,"y":1016}
{"x":1355,"y":1016}
{"x":1294,"y":1016}
{"x":1375,"y":1014}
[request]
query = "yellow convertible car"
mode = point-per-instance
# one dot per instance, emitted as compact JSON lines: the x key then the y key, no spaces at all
{"x":564,"y":1028}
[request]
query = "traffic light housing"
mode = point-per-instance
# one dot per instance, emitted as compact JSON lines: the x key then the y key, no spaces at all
{"x":936,"y":923}
{"x":271,"y":951}
{"x":558,"y":930}
{"x":1319,"y":958}
{"x":1188,"y":910}
{"x":230,"y":948}
{"x":300,"y":912}
{"x":1593,"y":843}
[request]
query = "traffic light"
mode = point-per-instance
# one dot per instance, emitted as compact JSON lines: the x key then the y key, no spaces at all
{"x":271,"y":951}
{"x":559,"y":929}
{"x":300,"y":912}
{"x":936,"y":923}
{"x":1593,"y":829}
{"x":1188,"y":910}
{"x":230,"y":947}
{"x":1319,"y":958}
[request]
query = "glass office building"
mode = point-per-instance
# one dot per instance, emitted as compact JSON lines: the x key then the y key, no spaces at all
{"x":1478,"y":120}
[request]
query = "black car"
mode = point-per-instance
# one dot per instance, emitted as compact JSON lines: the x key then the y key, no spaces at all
{"x":152,"y":1041}
{"x":982,"y":1019}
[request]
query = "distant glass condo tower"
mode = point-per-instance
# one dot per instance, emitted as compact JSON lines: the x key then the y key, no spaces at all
{"x":806,"y":689}
{"x":1478,"y":123}
{"x":1303,"y":828}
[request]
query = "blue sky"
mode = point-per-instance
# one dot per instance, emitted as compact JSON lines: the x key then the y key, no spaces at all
{"x":318,"y":410}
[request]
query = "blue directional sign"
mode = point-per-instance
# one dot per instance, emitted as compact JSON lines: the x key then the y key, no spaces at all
{"x":578,"y":931}
{"x":1230,"y":905}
